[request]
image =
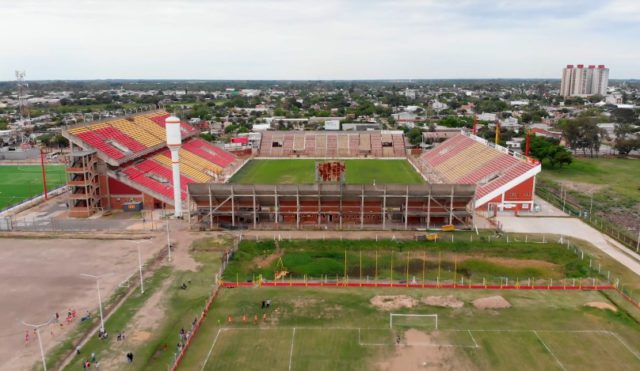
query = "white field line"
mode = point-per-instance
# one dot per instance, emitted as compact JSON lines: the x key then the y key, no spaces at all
{"x":624,"y":344}
{"x":211,"y":349}
{"x":472,"y":338}
{"x":549,"y":350}
{"x":291,"y":351}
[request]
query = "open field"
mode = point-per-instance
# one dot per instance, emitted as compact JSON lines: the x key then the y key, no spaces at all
{"x":464,"y":259}
{"x":303,"y":171}
{"x":152,"y":321}
{"x":19,"y":182}
{"x":612,"y":182}
{"x":340,"y":328}
{"x":41,"y":277}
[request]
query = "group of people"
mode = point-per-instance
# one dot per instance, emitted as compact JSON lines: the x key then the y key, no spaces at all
{"x":86,"y":364}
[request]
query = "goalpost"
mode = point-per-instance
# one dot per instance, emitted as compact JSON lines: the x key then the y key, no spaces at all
{"x":412,"y":320}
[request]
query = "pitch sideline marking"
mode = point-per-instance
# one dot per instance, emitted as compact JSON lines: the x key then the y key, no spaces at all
{"x":211,"y":349}
{"x":472,"y":338}
{"x":291,"y":351}
{"x":615,"y":335}
{"x":549,"y":350}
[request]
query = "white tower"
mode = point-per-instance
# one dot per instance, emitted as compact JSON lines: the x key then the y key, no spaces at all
{"x":174,"y":142}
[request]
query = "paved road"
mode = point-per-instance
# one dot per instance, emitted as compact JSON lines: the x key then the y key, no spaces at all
{"x":573,"y":227}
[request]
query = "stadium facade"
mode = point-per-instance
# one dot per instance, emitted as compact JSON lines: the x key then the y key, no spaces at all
{"x":118,"y":161}
{"x":123,"y":161}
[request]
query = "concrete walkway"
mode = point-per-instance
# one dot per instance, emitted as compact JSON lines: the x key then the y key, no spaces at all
{"x":576,"y":228}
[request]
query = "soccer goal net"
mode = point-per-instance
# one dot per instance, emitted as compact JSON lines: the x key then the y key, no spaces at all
{"x":428,"y":321}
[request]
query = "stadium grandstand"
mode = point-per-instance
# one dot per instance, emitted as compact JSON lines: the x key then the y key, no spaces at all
{"x":118,"y":162}
{"x":330,"y":145}
{"x":505,"y":180}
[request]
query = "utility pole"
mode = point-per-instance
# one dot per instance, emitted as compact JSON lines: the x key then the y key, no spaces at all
{"x":140,"y":268}
{"x":168,"y":241}
{"x":37,"y":328}
{"x":97,"y":278}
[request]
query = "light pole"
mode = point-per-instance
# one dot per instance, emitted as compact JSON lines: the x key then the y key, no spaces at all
{"x":168,"y":240}
{"x":140,"y":268}
{"x":97,"y":278}
{"x":37,"y":328}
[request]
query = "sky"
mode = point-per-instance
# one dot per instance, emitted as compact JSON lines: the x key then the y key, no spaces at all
{"x":316,"y":39}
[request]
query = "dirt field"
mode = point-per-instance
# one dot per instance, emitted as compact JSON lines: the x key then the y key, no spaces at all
{"x":41,"y":277}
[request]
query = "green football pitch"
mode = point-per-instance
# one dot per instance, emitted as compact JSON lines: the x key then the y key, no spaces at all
{"x":20,"y":182}
{"x":303,"y":172}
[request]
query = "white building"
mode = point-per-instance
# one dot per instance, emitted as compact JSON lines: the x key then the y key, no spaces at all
{"x":332,"y":125}
{"x":578,"y":81}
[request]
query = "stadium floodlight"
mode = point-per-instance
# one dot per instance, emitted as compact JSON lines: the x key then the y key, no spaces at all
{"x":37,"y":328}
{"x":140,"y":268}
{"x":97,"y":278}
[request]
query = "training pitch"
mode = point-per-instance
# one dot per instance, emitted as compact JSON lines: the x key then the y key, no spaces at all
{"x":303,"y":172}
{"x":342,"y":329}
{"x":350,"y":328}
{"x":20,"y":182}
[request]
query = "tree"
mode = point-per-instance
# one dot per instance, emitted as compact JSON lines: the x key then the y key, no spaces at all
{"x":415,"y":136}
{"x":583,"y":134}
{"x":627,"y":139}
{"x":543,"y":148}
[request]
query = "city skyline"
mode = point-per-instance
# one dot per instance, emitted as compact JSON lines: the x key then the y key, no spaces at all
{"x":305,"y":40}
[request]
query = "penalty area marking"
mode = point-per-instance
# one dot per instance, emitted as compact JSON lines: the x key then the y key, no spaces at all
{"x":549,"y":350}
{"x":624,"y":344}
{"x":211,"y":349}
{"x":293,"y":336}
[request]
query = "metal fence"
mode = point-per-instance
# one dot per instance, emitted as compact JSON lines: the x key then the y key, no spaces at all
{"x":626,"y":237}
{"x":69,"y":225}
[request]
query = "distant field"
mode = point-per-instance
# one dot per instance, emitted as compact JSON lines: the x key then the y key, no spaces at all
{"x":614,"y":184}
{"x":303,"y":171}
{"x":19,"y":182}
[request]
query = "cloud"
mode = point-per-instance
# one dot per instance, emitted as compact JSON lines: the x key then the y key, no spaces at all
{"x":309,"y":39}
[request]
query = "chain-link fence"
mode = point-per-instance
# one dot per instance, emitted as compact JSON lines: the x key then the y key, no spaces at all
{"x":71,"y":225}
{"x":628,"y":238}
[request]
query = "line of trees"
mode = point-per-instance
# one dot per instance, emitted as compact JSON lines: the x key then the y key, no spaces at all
{"x":583,"y":134}
{"x":627,"y":138}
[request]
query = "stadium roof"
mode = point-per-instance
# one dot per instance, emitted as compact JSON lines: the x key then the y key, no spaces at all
{"x":468,"y":159}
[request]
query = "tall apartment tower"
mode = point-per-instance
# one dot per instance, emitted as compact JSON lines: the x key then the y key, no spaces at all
{"x":578,"y":81}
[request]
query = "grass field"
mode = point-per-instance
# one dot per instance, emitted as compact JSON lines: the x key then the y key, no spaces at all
{"x":20,"y":182}
{"x":475,"y":260}
{"x":339,"y":329}
{"x":611,"y":182}
{"x":303,"y":171}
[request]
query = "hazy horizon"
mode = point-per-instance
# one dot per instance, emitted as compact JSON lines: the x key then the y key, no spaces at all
{"x":305,"y":40}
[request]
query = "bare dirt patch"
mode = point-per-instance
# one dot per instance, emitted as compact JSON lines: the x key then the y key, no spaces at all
{"x":492,"y":302}
{"x":39,"y":277}
{"x":601,"y":305}
{"x":305,"y":302}
{"x":412,"y":354}
{"x":586,"y":188}
{"x":393,"y":302}
{"x":448,"y":301}
{"x":265,"y":261}
{"x":507,"y":262}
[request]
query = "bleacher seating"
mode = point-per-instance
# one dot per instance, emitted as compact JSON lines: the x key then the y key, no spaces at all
{"x":331,"y":144}
{"x":465,"y":160}
{"x":138,"y":145}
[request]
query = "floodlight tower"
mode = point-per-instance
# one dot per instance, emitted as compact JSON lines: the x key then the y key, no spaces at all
{"x":22,"y":95}
{"x":174,"y":142}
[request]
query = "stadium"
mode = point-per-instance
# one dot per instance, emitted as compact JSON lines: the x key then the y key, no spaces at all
{"x":125,"y":162}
